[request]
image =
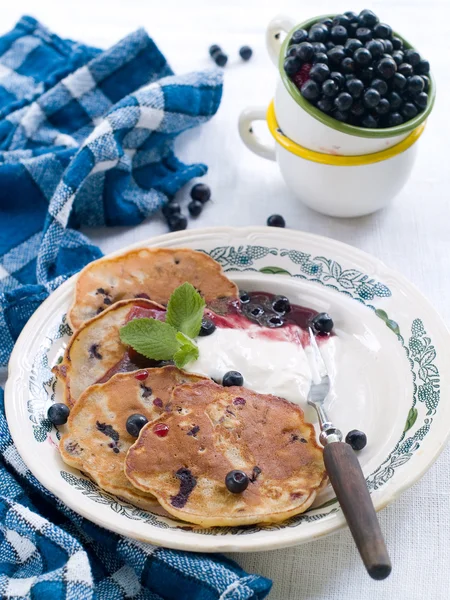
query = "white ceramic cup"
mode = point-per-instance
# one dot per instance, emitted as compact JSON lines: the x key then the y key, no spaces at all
{"x":308,"y":126}
{"x":342,"y":189}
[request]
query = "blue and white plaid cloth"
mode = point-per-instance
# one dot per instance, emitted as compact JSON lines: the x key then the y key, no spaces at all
{"x":86,"y":138}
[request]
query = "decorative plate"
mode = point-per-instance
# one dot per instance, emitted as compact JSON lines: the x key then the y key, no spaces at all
{"x":390,"y":378}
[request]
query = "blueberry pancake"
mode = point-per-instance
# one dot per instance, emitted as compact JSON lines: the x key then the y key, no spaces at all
{"x":95,"y":351}
{"x":96,"y":439}
{"x":152,"y":273}
{"x":184,"y":457}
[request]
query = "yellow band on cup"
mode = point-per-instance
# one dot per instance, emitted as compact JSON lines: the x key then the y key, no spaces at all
{"x":332,"y":159}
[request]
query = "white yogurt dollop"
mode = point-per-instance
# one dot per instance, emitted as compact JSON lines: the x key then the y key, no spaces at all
{"x":268,"y":366}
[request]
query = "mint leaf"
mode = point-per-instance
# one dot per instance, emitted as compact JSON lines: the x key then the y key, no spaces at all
{"x":185,"y":310}
{"x":150,"y":337}
{"x":187,"y":352}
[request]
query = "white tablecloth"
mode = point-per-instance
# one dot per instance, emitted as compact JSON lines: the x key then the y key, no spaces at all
{"x":411,"y":236}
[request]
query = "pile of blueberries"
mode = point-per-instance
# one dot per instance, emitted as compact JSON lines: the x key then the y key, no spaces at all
{"x":353,"y":68}
{"x":200,"y":194}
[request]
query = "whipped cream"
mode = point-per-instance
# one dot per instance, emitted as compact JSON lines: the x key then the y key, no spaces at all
{"x":271,"y":361}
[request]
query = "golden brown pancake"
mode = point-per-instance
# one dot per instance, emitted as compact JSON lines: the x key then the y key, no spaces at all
{"x":96,"y":440}
{"x":96,"y":348}
{"x":213,"y":430}
{"x":152,"y":273}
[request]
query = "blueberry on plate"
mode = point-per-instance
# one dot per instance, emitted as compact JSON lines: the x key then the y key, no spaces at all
{"x":276,"y":221}
{"x":340,"y":115}
{"x":244,"y":297}
{"x":281,"y":304}
{"x":399,"y":57}
{"x":356,"y":439}
{"x":341,"y":20}
{"x":357,"y":109}
{"x":135,"y":423}
{"x":58,"y":413}
{"x":322,"y":323}
{"x":236,"y":482}
{"x":388,"y":47}
{"x":366,"y":75}
{"x":207,"y":328}
{"x":201,"y":192}
{"x":232,"y":378}
{"x":351,"y":16}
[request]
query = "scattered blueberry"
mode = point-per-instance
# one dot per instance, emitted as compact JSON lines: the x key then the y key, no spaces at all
{"x":281,"y":304}
{"x":207,"y":328}
{"x":214,"y":49}
{"x":356,"y":439}
{"x":177,"y":222}
{"x":322,"y":323}
{"x":236,"y":482}
{"x":195,"y":207}
{"x":201,"y":192}
{"x":135,"y":423}
{"x":220,"y":58}
{"x":276,"y":221}
{"x":173,"y":208}
{"x":232,"y":378}
{"x":245,"y":52}
{"x":58,"y":413}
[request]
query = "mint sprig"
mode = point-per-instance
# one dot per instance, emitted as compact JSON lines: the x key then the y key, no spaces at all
{"x":169,"y":340}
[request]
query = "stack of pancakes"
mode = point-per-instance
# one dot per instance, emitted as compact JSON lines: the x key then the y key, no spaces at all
{"x":197,"y":431}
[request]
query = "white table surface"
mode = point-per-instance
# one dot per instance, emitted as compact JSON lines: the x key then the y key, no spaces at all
{"x":412,"y":236}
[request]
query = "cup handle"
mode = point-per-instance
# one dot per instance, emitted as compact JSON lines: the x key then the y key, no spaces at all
{"x":278,"y":25}
{"x":248,"y":136}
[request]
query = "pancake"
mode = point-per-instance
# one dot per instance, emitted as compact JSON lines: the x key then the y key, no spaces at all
{"x":152,"y":273}
{"x":95,"y":349}
{"x":96,"y":440}
{"x":213,"y":430}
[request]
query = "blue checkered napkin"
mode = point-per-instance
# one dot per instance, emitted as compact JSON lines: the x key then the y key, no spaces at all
{"x":86,"y":138}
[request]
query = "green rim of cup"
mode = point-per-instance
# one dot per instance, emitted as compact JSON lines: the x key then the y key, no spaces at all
{"x":338,"y":125}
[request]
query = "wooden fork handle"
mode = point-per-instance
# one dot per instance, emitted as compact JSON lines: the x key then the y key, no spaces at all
{"x":349,"y":484}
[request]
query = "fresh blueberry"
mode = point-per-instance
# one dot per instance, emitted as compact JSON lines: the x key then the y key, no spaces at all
{"x":348,"y":65}
{"x":276,"y":221}
{"x":327,"y":22}
{"x":363,"y":57}
{"x":369,"y":122}
{"x":395,"y":100}
{"x":322,"y":323}
{"x":329,"y":45}
{"x":351,"y":16}
{"x":135,"y":423}
{"x":201,"y":192}
{"x":395,"y":119}
{"x":386,"y":67}
{"x":412,"y":57}
{"x":397,"y":43}
{"x":207,"y":328}
{"x":236,"y":482}
{"x":421,"y":100}
{"x":330,"y":88}
{"x":220,"y":58}
{"x":399,"y":82}
{"x":364,"y":34}
{"x":382,"y":30}
{"x":338,"y":34}
{"x":341,"y":20}
{"x":352,"y":29}
{"x":299,"y":36}
{"x":398,"y":56}
{"x":379,"y":85}
{"x":358,"y":109}
{"x":177,"y":222}
{"x":415,"y":84}
{"x":383,"y":107}
{"x":292,"y":65}
{"x":305,"y":52}
{"x":371,"y":98}
{"x":319,"y":72}
{"x":405,"y":69}
{"x":320,"y":57}
{"x":244,"y":297}
{"x":356,"y":439}
{"x":355,"y":87}
{"x":58,"y":413}
{"x":343,"y":102}
{"x":292,"y":50}
{"x":317,"y":34}
{"x":388,"y":46}
{"x":319,"y":47}
{"x":423,"y":67}
{"x":367,"y":18}
{"x":255,"y":310}
{"x":351,"y":45}
{"x":336,"y":54}
{"x":195,"y":207}
{"x":232,"y":378}
{"x":426,"y":81}
{"x":214,"y":49}
{"x":409,"y":111}
{"x":376,"y":48}
{"x":310,"y":90}
{"x":245,"y":52}
{"x":338,"y":78}
{"x":173,"y":208}
{"x":340,"y":115}
{"x":325,"y":104}
{"x":281,"y":304}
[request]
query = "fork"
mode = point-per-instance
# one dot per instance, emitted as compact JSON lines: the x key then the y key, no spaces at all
{"x":346,"y":476}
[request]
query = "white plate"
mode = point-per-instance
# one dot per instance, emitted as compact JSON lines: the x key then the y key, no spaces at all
{"x":392,"y":381}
